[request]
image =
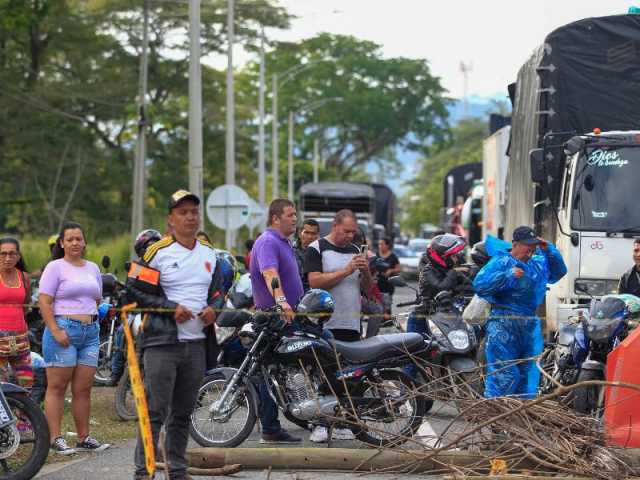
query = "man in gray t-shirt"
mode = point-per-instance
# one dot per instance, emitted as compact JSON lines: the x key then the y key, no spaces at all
{"x":334,"y":263}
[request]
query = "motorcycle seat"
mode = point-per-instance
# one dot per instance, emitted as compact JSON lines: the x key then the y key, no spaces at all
{"x":378,"y":347}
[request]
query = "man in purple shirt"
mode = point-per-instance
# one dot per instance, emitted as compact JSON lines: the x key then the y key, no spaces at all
{"x":272,"y":257}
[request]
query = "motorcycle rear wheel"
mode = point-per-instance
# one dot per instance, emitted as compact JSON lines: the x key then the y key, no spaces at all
{"x":33,"y":430}
{"x":403,"y":404}
{"x":213,"y":433}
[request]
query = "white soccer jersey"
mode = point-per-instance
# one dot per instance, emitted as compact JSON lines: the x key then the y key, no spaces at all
{"x":185,"y":277}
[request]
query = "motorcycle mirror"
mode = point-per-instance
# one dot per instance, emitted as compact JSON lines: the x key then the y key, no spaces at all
{"x":397,"y":281}
{"x":106,"y":262}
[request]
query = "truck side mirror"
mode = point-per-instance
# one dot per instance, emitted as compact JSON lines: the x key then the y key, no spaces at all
{"x":536,"y":160}
{"x":573,"y":146}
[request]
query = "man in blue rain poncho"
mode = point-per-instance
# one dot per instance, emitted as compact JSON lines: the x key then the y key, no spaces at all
{"x":514,"y":282}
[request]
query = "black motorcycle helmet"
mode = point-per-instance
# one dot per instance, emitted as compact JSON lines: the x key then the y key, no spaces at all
{"x":479,"y":254}
{"x":144,"y":240}
{"x":316,"y":306}
{"x":444,"y":248}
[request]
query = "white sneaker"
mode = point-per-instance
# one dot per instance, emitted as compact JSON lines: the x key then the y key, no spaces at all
{"x":342,"y":434}
{"x":320,"y":434}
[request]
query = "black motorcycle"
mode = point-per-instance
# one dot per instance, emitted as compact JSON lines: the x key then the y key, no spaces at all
{"x":313,"y":377}
{"x":24,"y":434}
{"x":453,"y":351}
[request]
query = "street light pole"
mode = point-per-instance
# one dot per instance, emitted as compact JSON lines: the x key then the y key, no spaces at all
{"x":274,"y":138}
{"x":316,"y":159}
{"x":195,"y":104}
{"x":230,"y":166}
{"x":261,"y":152}
{"x":290,"y":158}
{"x":139,"y":177}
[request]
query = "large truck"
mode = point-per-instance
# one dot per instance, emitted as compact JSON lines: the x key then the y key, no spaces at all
{"x":322,"y":200}
{"x":495,"y":164}
{"x":574,"y":166}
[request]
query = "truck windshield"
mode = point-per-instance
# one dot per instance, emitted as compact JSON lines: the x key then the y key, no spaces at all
{"x":605,"y":197}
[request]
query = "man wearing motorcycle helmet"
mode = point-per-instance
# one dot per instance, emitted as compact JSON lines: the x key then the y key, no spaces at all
{"x":143,"y":240}
{"x":514,"y":282}
{"x":479,"y":257}
{"x":441,"y":269}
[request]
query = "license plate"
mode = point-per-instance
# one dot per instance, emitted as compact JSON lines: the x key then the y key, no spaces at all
{"x":6,"y":415}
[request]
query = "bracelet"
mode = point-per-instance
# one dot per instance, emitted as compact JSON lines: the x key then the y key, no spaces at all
{"x":281,"y":299}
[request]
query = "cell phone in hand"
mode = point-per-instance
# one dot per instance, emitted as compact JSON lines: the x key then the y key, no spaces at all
{"x":364,"y":250}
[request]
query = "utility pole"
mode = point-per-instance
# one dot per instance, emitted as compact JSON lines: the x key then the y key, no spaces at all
{"x":275,"y":173}
{"x":195,"y":105}
{"x":316,"y":159}
{"x":139,"y":177}
{"x":261,"y":152}
{"x":465,"y":69}
{"x":230,"y":153}
{"x":290,"y":161}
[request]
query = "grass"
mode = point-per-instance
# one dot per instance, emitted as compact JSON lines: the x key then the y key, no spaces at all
{"x":104,"y":423}
{"x":36,"y":253}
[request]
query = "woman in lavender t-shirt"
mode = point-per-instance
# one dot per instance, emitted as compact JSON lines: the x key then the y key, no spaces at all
{"x":70,"y":290}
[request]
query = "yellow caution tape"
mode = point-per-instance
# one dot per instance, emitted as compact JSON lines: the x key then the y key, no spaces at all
{"x":139,"y":395}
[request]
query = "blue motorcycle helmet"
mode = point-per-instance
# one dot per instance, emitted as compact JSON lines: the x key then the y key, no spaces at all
{"x":316,"y":306}
{"x":228,"y":273}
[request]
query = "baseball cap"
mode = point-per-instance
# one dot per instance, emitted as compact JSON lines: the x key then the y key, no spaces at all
{"x":525,"y":235}
{"x":181,"y":196}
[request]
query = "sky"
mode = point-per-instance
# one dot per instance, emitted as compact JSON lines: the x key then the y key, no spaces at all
{"x":495,"y":37}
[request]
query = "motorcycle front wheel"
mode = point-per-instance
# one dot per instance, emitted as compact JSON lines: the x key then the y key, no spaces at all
{"x":228,"y":430}
{"x":585,"y":399}
{"x":395,"y":412}
{"x":103,"y":370}
{"x":24,"y":445}
{"x":124,"y":400}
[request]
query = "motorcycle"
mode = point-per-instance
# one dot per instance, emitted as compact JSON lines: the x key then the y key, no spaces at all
{"x":313,"y":377}
{"x":452,"y":364}
{"x":108,"y":325}
{"x":605,"y":326}
{"x":24,"y":434}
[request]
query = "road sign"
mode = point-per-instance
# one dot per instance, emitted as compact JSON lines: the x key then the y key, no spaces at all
{"x":228,"y":207}
{"x":257,"y":214}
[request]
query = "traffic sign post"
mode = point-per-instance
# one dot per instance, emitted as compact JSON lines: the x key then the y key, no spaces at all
{"x":228,"y":209}
{"x":257,"y":216}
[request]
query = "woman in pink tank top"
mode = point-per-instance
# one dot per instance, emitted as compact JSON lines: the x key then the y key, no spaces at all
{"x":15,"y":350}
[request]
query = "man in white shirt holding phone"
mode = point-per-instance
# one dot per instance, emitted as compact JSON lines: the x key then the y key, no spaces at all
{"x":334,"y":263}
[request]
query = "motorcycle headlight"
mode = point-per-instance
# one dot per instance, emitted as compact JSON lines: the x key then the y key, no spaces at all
{"x":247,"y":335}
{"x":597,"y":288}
{"x":459,"y":339}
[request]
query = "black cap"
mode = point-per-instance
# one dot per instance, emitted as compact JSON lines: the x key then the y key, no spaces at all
{"x":181,"y":196}
{"x":525,"y":235}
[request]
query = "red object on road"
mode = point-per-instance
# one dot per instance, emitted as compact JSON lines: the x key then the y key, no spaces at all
{"x":622,"y":405}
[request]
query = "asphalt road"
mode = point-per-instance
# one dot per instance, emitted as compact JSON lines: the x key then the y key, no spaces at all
{"x":117,"y":462}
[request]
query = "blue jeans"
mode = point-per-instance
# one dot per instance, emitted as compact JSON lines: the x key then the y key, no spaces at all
{"x":268,"y":411}
{"x":418,"y":325}
{"x":84,"y":344}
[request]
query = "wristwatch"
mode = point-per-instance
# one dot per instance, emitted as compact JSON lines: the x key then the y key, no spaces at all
{"x":281,"y":299}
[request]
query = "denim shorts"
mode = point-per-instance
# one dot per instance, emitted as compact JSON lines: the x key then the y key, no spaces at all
{"x":84,"y":348}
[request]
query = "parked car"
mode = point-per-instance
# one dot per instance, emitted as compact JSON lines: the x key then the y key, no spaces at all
{"x":408,"y":260}
{"x":419,"y":245}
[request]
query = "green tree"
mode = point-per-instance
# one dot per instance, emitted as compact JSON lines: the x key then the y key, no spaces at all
{"x":423,"y":201}
{"x":365,"y":103}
